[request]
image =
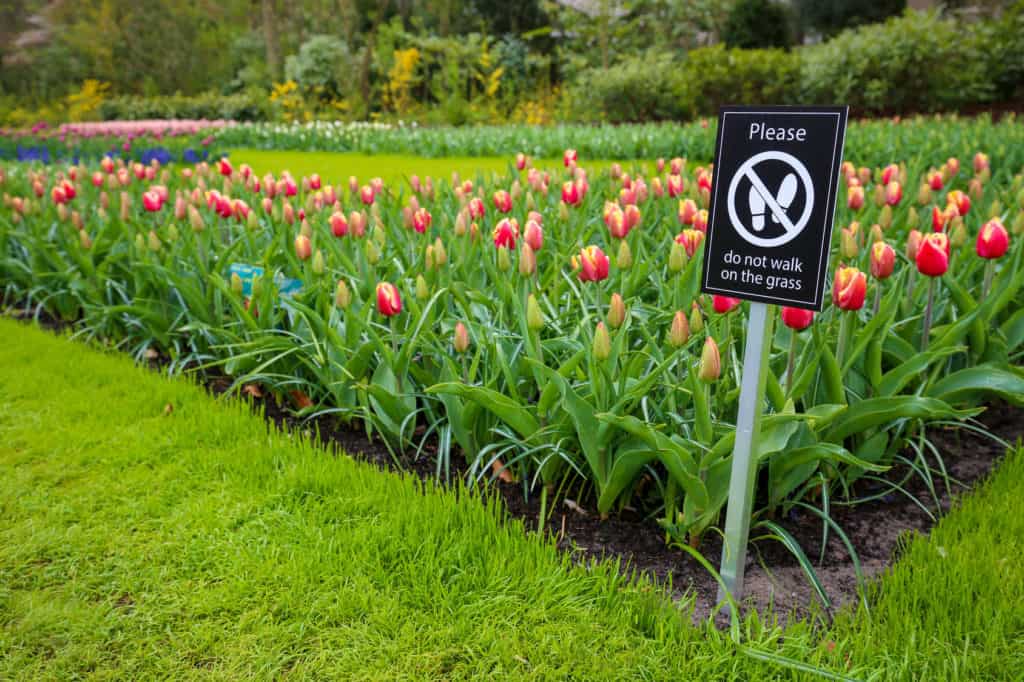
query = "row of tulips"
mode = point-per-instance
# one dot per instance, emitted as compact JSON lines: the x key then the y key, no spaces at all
{"x":547,"y":324}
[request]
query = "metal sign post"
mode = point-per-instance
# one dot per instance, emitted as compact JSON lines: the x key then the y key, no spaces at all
{"x":744,"y":455}
{"x":776,"y":176}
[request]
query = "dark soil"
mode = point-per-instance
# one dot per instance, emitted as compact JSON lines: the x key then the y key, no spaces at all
{"x":773,"y":576}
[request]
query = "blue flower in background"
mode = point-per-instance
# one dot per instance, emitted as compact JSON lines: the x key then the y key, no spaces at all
{"x":189,"y":156}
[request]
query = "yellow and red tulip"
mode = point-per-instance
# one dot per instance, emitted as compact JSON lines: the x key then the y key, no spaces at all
{"x":883,"y":260}
{"x":932,"y":257}
{"x":691,"y":241}
{"x":502,"y":201}
{"x":993,"y":240}
{"x":849,"y":288}
{"x":506,"y":232}
{"x":593,"y":264}
{"x":389,"y":302}
{"x":710,"y":362}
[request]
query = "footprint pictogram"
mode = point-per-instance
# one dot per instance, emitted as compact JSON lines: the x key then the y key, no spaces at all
{"x":787,"y":192}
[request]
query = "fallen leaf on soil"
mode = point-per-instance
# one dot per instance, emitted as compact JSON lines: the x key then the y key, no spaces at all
{"x":301,"y":399}
{"x":253,"y":389}
{"x":503,"y":474}
{"x":575,"y":507}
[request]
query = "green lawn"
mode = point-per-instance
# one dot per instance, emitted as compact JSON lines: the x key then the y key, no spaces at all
{"x":336,"y":167}
{"x":148,"y":530}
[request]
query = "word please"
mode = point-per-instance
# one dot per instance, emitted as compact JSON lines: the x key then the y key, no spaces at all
{"x":760,"y":131}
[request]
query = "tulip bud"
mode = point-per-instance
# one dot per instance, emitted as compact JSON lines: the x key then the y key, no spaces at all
{"x":679,"y":332}
{"x":422,"y":289}
{"x":342,"y":295}
{"x":602,"y":346}
{"x":534,"y":317}
{"x":563,"y":211}
{"x":677,"y":257}
{"x":534,"y":235}
{"x":616,"y":311}
{"x":84,"y":239}
{"x":1018,"y":223}
{"x":913,"y":244}
{"x":876,"y":234}
{"x":303,"y":247}
{"x":318,"y":262}
{"x":885,"y":217}
{"x":373,"y":253}
{"x":440,"y":254}
{"x":624,"y":259}
{"x":306,"y":229}
{"x":924,"y":194}
{"x":912,"y":218}
{"x":696,"y":319}
{"x":236,"y":284}
{"x":460,"y":338}
{"x":958,"y":233}
{"x":172,"y":233}
{"x":527,"y":261}
{"x":710,"y":362}
{"x":855,"y":198}
{"x":154,"y":241}
{"x":995,"y":210}
{"x":848,"y":246}
{"x":504,"y":260}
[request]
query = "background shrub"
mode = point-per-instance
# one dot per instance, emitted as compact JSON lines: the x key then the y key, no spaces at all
{"x":758,"y":23}
{"x":916,"y":62}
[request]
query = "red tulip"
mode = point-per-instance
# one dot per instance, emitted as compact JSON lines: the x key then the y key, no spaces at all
{"x":97,"y":179}
{"x":933,"y":255}
{"x":503,"y":200}
{"x":935,"y":181}
{"x":676,"y":186}
{"x":389,"y":303}
{"x":366,"y":195}
{"x":476,"y":208}
{"x":506,"y":232}
{"x":849,"y":288}
{"x":700,"y":221}
{"x":224,"y":166}
{"x":421,"y":220}
{"x":890,"y":173}
{"x":314,"y":181}
{"x":593,"y":264}
{"x":883,"y":260}
{"x":520,"y":161}
{"x":534,"y":235}
{"x":942,"y":219}
{"x":980,"y":162}
{"x":151,"y":201}
{"x":569,"y":158}
{"x":703,"y":180}
{"x":571,"y":193}
{"x":58,"y":195}
{"x":107,"y":165}
{"x":952,"y":166}
{"x":797,"y":319}
{"x":855,"y":197}
{"x":993,"y":239}
{"x":290,"y":188}
{"x":691,"y":240}
{"x":675,"y":166}
{"x":339,"y":226}
{"x":615,"y":220}
{"x":893,"y":193}
{"x":724,"y":304}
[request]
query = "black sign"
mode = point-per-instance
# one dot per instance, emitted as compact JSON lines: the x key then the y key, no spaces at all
{"x":773,"y":205}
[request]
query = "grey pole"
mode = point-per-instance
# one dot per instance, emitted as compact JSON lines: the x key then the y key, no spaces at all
{"x":744,"y":463}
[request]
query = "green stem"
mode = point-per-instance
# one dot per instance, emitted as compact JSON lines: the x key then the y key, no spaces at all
{"x":926,"y":331}
{"x":990,"y":271}
{"x":878,"y":298}
{"x":791,"y":362}
{"x":845,"y":327}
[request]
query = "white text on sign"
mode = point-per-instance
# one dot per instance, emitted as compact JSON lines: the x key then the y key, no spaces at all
{"x":762,"y":271}
{"x":760,"y":131}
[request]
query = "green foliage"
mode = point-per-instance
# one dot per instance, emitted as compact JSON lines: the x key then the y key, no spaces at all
{"x":917,"y":62}
{"x":323,"y":66}
{"x":829,"y":17}
{"x":239,"y":107}
{"x":660,"y":87}
{"x":758,"y":23}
